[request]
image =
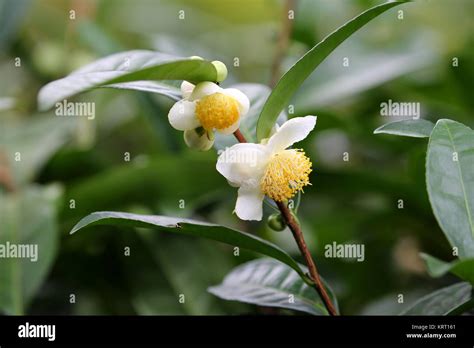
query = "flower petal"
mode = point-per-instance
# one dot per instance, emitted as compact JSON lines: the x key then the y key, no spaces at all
{"x":249,"y":204}
{"x":204,"y":89}
{"x":243,"y":164}
{"x":231,"y":129}
{"x":182,"y":115}
{"x":241,"y":98}
{"x":186,"y":89}
{"x":292,"y":131}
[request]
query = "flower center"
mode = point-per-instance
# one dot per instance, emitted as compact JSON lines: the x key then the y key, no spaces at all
{"x":217,"y":111}
{"x":286,"y":173}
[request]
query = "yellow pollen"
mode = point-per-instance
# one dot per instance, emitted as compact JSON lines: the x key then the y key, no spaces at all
{"x":217,"y":111}
{"x":286,"y":173}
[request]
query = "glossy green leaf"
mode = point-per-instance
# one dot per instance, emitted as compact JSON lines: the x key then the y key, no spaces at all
{"x":464,"y":269}
{"x":129,"y":66}
{"x":162,"y":88}
{"x":298,"y":73}
{"x":191,"y":228}
{"x":449,"y":300}
{"x":450,"y":182}
{"x":268,"y":283}
{"x":28,"y":222}
{"x":408,"y":128}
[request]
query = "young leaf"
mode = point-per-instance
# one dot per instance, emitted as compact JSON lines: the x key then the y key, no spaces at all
{"x":409,"y":128}
{"x":449,"y":300}
{"x":27,"y":218}
{"x":298,"y":73}
{"x":129,"y":66}
{"x":464,"y":269}
{"x":192,"y":228}
{"x":450,"y":182}
{"x":268,"y":283}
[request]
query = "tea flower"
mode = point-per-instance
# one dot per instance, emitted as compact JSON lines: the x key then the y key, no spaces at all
{"x":269,"y":168}
{"x":207,"y":107}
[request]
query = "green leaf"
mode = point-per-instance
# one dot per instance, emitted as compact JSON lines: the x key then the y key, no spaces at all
{"x":192,"y":228}
{"x":148,"y":183}
{"x":19,"y":144}
{"x":408,"y":128}
{"x":27,"y":219}
{"x":450,"y":182}
{"x":464,"y":269}
{"x":129,"y":66}
{"x":268,"y":283}
{"x":162,"y":88}
{"x":167,"y":269}
{"x":298,"y":73}
{"x":449,"y":300}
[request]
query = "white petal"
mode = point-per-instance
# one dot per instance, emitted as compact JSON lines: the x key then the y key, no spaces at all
{"x":186,"y":89}
{"x":231,"y":129}
{"x":204,"y":89}
{"x":292,"y":131}
{"x":241,"y":98}
{"x":182,"y":115}
{"x":243,"y":164}
{"x":249,"y":204}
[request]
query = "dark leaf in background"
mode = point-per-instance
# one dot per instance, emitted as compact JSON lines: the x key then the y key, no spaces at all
{"x":269,"y":283}
{"x":443,"y":301}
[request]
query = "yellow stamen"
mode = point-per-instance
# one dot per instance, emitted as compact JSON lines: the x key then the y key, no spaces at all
{"x":286,"y":173}
{"x":217,"y":111}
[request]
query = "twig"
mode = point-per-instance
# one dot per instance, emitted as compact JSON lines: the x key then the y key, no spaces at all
{"x":283,"y":42}
{"x":313,"y":271}
{"x":299,"y":238}
{"x":5,"y":176}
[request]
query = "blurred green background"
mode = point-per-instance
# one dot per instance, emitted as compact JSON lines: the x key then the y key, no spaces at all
{"x":70,"y":167}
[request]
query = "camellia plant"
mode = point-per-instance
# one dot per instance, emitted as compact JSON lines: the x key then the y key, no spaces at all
{"x":259,"y":157}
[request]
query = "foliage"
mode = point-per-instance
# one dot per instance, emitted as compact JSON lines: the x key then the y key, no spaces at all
{"x":73,"y":168}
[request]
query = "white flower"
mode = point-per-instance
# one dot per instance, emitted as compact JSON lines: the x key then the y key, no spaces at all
{"x":210,"y":107}
{"x":268,"y":168}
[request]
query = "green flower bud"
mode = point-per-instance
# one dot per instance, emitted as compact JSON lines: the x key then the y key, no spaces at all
{"x":199,"y":139}
{"x":196,"y":58}
{"x":221,"y":70}
{"x":276,"y":222}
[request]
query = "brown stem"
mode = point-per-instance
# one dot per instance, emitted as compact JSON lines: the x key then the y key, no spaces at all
{"x":240,"y":137}
{"x":6,"y":179}
{"x":299,"y":238}
{"x":313,"y":271}
{"x":283,"y":42}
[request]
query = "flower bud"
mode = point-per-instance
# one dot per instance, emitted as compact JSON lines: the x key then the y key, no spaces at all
{"x":199,"y":139}
{"x":276,"y":222}
{"x":221,"y":70}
